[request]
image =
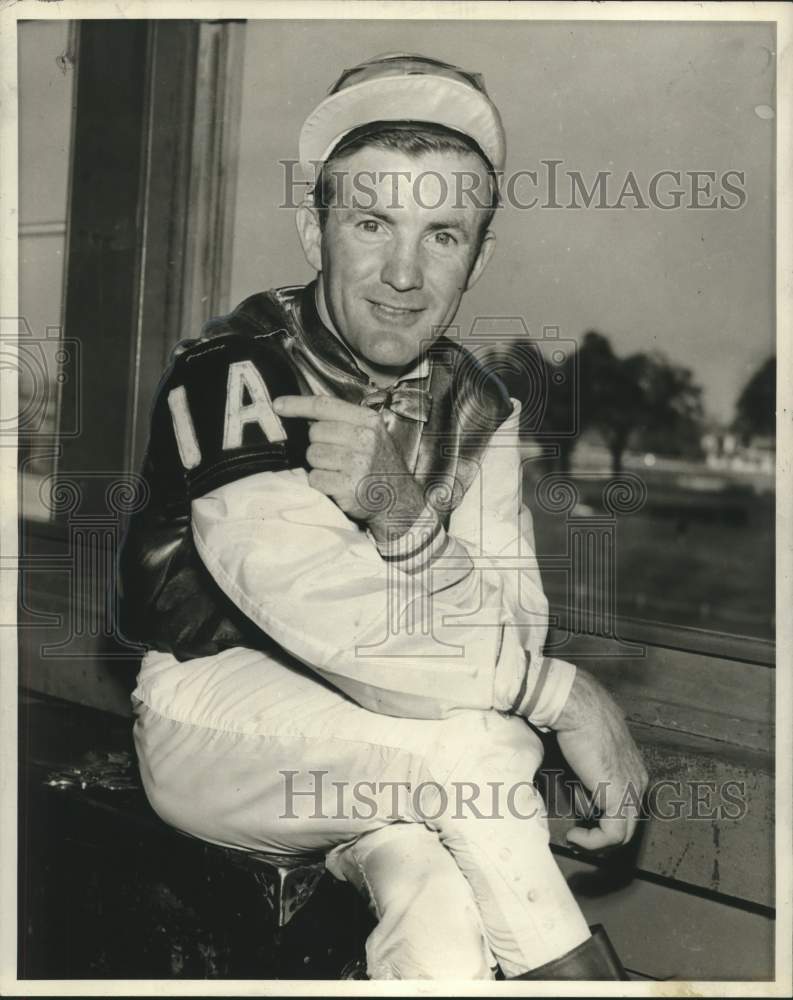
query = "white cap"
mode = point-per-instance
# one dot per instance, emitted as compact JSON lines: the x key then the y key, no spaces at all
{"x":404,"y":87}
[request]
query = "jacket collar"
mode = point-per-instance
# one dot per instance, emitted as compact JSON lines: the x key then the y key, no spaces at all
{"x":328,"y":353}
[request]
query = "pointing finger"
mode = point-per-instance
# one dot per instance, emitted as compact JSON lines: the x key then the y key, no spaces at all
{"x":332,"y":432}
{"x":322,"y":408}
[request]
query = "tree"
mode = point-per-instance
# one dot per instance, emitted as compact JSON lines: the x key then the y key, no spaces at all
{"x":672,"y":423}
{"x":643,"y":396}
{"x":612,"y":398}
{"x":755,"y":411}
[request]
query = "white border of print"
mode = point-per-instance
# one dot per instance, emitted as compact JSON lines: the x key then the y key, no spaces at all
{"x":782,"y":15}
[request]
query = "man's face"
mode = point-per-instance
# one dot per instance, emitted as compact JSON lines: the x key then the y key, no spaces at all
{"x":397,"y":252}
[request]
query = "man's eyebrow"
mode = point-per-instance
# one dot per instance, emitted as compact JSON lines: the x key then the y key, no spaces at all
{"x":461,"y":227}
{"x":372,"y":213}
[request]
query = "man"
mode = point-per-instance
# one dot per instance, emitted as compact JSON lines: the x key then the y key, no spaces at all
{"x":335,"y":573}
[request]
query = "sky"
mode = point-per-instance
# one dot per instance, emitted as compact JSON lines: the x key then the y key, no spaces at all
{"x":697,"y":284}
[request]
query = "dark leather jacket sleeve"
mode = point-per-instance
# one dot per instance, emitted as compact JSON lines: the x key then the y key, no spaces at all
{"x":168,"y":599}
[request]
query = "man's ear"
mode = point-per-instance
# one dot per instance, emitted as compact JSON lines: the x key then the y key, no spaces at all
{"x":486,"y":248}
{"x":310,"y":233}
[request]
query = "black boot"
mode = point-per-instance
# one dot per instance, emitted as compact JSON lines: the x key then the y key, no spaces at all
{"x":594,"y":959}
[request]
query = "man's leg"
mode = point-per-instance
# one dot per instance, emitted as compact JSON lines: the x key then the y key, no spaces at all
{"x":225,"y":787}
{"x":272,"y":760}
{"x":428,"y":922}
{"x":484,"y":818}
{"x":494,"y":824}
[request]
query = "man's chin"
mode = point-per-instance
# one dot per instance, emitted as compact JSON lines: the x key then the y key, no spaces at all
{"x":394,"y":351}
{"x":395,"y":357}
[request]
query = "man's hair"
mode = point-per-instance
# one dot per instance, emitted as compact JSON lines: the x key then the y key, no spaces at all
{"x":413,"y":139}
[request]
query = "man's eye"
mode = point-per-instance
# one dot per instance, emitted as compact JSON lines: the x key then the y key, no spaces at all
{"x":445,"y":239}
{"x":369,"y":225}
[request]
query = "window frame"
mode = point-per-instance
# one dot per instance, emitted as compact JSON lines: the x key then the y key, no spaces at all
{"x":156,"y":107}
{"x":179,"y":135}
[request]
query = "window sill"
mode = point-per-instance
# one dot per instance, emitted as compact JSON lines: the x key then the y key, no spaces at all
{"x":696,"y":839}
{"x":645,"y":632}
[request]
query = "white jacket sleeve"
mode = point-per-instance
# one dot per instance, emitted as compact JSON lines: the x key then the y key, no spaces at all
{"x":491,"y":535}
{"x":397,"y":642}
{"x":494,"y":525}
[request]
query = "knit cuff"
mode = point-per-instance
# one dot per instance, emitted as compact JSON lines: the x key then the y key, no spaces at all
{"x":426,"y":549}
{"x":544,"y":690}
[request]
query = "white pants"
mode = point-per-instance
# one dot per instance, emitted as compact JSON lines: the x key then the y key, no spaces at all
{"x":437,"y":821}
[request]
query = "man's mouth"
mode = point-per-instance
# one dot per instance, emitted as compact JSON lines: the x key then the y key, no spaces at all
{"x":394,"y":312}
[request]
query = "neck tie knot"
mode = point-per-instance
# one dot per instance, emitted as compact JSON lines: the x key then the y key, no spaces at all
{"x":404,"y":400}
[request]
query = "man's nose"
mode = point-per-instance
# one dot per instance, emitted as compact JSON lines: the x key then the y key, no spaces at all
{"x":402,"y":267}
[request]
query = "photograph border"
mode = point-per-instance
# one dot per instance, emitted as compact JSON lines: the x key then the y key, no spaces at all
{"x":781,"y":14}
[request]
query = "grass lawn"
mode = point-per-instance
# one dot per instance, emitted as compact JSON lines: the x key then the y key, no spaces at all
{"x":683,"y":562}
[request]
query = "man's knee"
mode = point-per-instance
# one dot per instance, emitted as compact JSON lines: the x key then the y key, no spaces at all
{"x":432,"y":931}
{"x":429,"y":926}
{"x":480,"y":752}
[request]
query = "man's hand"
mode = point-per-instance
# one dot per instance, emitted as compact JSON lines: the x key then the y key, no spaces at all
{"x":354,"y":461}
{"x":597,"y":745}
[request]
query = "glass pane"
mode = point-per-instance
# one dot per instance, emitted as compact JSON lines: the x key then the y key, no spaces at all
{"x":46,"y":75}
{"x":660,"y":507}
{"x":638,"y":205}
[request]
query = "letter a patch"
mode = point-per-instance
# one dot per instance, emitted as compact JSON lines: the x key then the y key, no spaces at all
{"x":244,"y":377}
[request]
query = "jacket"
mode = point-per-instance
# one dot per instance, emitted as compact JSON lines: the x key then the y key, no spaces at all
{"x":211,"y":424}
